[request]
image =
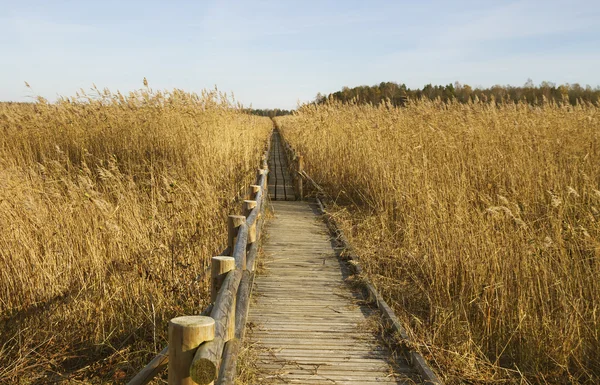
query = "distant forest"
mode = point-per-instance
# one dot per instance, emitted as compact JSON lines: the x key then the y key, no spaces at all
{"x":398,"y":93}
{"x":269,"y":112}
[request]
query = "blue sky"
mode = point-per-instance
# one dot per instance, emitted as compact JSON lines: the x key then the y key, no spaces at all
{"x":278,"y":53}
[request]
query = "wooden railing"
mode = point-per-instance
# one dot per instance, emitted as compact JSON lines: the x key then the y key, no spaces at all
{"x":204,"y":349}
{"x":296,"y":167}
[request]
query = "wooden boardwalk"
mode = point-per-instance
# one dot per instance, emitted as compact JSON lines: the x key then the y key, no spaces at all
{"x":281,"y":187}
{"x":308,"y":325}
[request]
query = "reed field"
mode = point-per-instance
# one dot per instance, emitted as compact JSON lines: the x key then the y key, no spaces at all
{"x":478,"y":222}
{"x":110,"y":208}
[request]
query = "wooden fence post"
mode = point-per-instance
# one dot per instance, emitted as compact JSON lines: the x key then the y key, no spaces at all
{"x":249,"y":205}
{"x":253,"y":190}
{"x":205,"y":366}
{"x":220,"y":266}
{"x":233,"y":224}
{"x":265,"y":182}
{"x":185,"y":335}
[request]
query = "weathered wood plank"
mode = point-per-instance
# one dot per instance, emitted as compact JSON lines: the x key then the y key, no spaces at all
{"x":304,"y":312}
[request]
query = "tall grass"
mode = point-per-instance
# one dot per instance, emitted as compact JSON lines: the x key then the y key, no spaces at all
{"x":110,"y":209}
{"x":480,"y":223}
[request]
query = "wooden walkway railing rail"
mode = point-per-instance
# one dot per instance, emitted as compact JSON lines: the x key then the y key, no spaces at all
{"x":203,"y":349}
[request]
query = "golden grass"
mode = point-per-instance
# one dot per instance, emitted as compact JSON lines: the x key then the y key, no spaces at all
{"x":110,"y":209}
{"x":479,"y":223}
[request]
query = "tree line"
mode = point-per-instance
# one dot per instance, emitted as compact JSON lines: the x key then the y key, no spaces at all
{"x":271,"y":113}
{"x":397,"y":93}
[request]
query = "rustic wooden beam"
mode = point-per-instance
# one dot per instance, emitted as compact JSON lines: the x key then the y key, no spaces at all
{"x":251,"y":257}
{"x":231,"y":316}
{"x":253,"y":190}
{"x":220,"y":266}
{"x":185,"y":335}
{"x":258,"y":195}
{"x":241,"y":242}
{"x":243,"y":303}
{"x":253,"y":250}
{"x":249,"y":207}
{"x":158,"y":364}
{"x":233,"y":224}
{"x":206,"y":362}
{"x":262,"y":178}
{"x":228,"y":369}
{"x":252,"y":218}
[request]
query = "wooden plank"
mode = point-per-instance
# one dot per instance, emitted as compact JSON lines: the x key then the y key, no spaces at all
{"x":328,"y":353}
{"x":357,"y":335}
{"x":319,"y":357}
{"x":345,"y":317}
{"x":340,"y":378}
{"x":275,"y":380}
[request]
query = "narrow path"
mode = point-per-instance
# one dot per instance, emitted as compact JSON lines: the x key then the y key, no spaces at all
{"x":280,"y":181}
{"x":308,"y":325}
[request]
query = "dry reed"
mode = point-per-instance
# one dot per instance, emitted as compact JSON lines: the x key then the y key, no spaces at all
{"x":110,"y":208}
{"x":480,"y":224}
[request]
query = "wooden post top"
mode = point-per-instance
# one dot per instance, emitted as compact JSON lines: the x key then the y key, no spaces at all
{"x":185,"y":335}
{"x":196,"y":322}
{"x":220,"y":266}
{"x":248,"y":206}
{"x":237,"y":220}
{"x":223,"y":258}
